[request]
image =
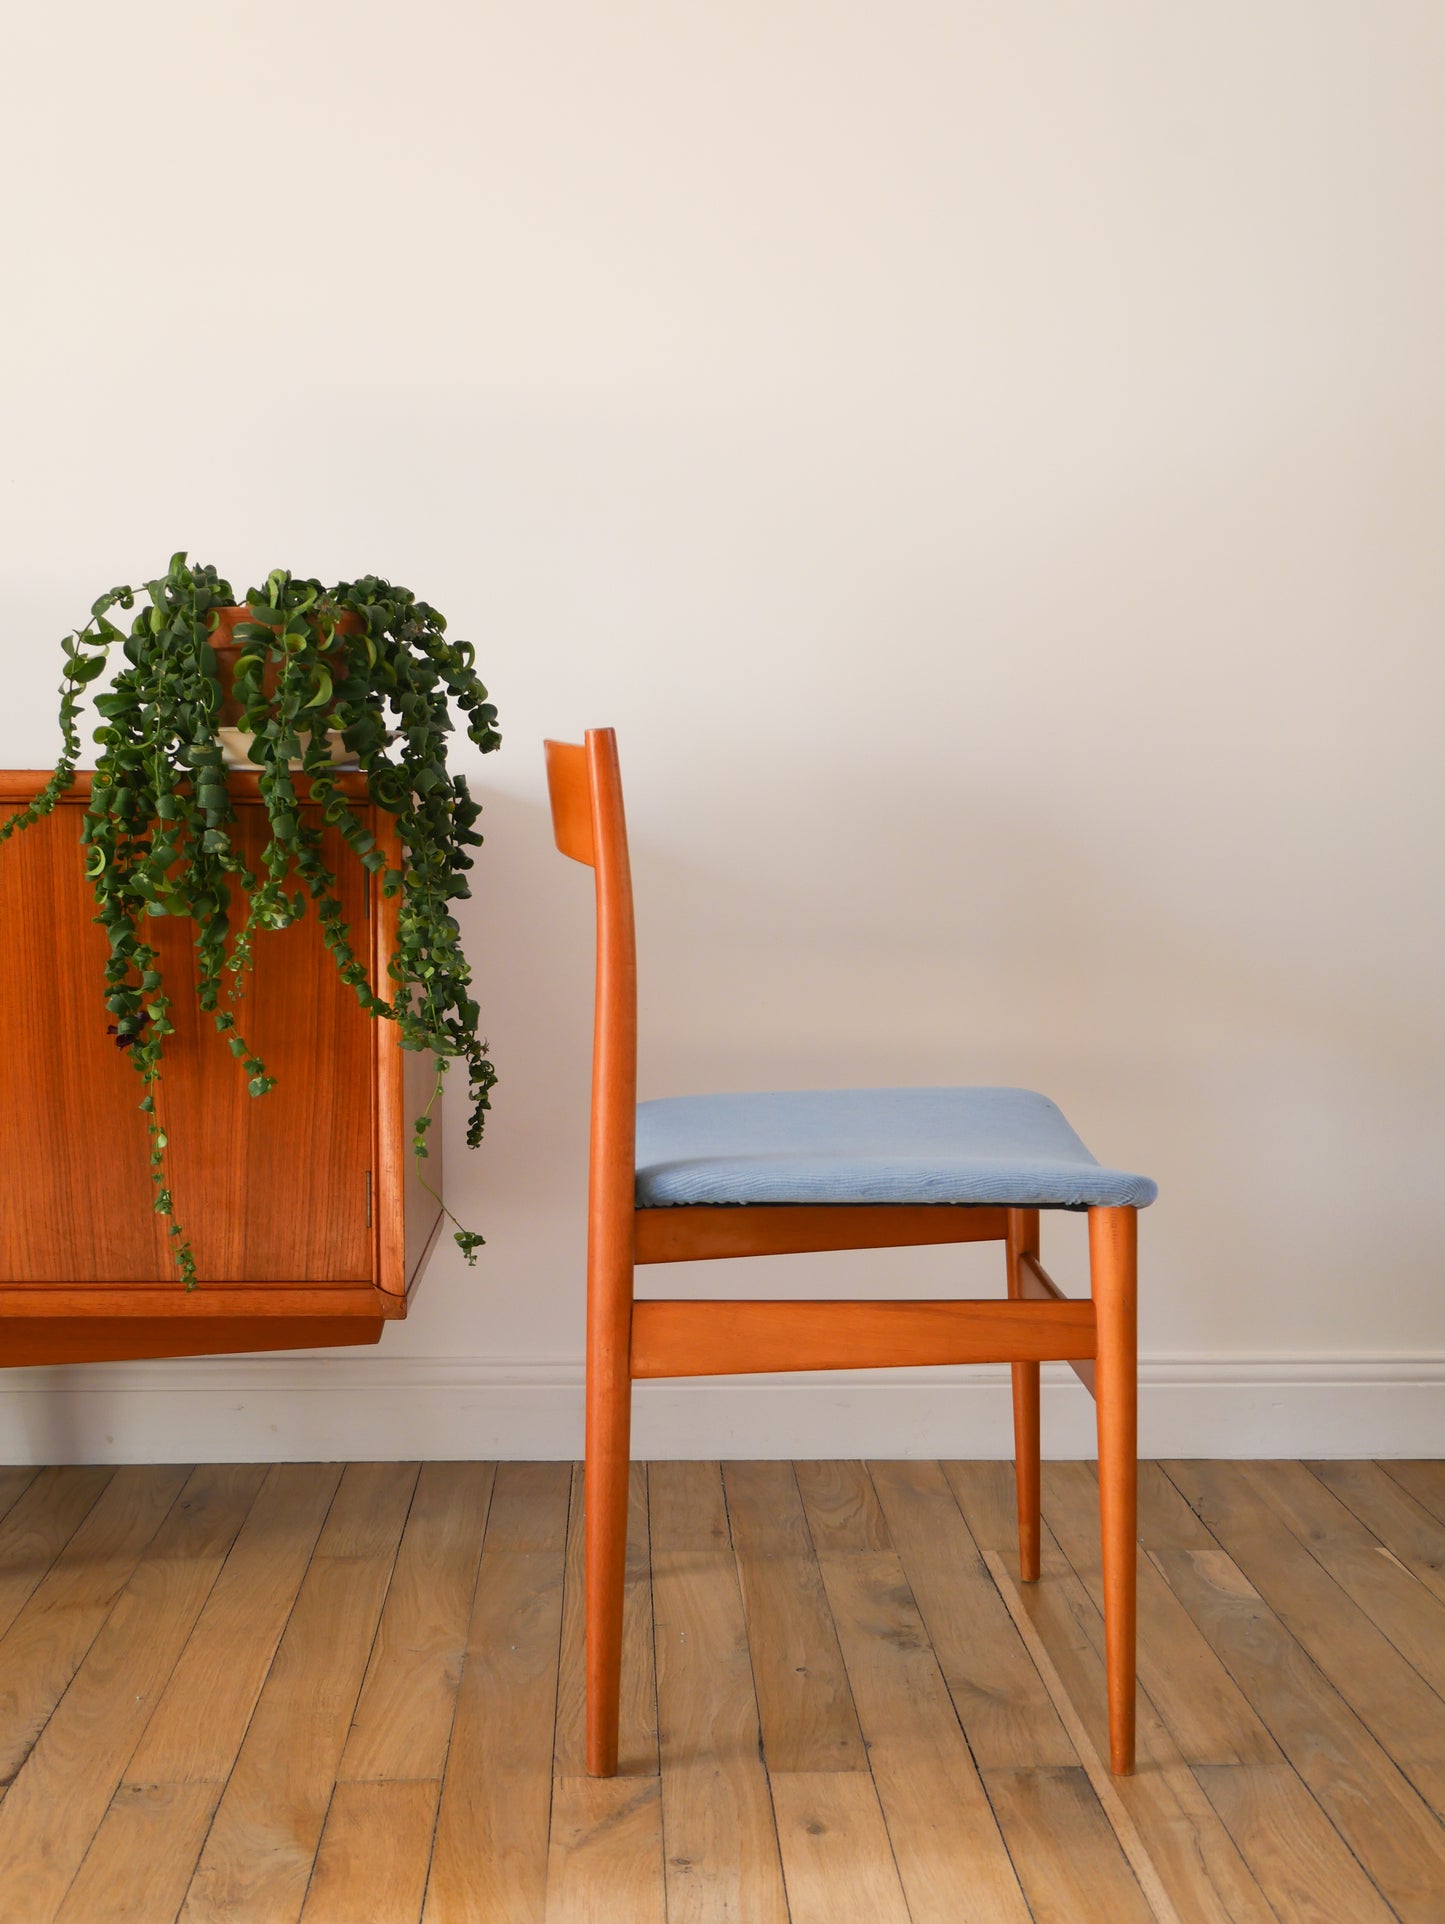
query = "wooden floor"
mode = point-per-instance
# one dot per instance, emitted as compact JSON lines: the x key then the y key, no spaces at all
{"x":354,"y":1696}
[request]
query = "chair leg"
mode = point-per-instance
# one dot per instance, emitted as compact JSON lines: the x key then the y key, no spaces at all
{"x":605,"y":1478}
{"x":1023,"y":1234}
{"x":1113,"y":1267}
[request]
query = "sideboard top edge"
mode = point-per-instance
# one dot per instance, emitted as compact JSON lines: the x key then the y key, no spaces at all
{"x":21,"y":785}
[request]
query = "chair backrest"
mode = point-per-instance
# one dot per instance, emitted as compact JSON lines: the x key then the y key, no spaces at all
{"x":585,"y":783}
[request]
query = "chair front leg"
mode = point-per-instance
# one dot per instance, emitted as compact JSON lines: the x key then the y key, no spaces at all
{"x":1023,"y":1235}
{"x":1113,"y":1268}
{"x":605,"y":1477}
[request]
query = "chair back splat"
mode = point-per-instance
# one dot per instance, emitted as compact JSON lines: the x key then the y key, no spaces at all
{"x":585,"y":783}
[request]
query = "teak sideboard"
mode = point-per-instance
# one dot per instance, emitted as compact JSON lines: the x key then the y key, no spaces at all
{"x":308,"y":1220}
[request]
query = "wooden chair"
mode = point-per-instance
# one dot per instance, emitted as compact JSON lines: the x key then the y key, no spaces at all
{"x":693,"y":1178}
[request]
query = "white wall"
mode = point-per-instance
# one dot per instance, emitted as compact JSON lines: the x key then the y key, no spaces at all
{"x":987,"y":462}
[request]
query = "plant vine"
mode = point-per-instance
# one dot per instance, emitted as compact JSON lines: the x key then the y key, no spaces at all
{"x":364,"y":659}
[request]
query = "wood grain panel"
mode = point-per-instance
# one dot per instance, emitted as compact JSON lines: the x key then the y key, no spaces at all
{"x":1369,"y":1670}
{"x":489,"y":1861}
{"x":804,"y":1703}
{"x":950,"y":1854}
{"x":605,"y":1861}
{"x":230,"y":1651}
{"x":686,"y":1507}
{"x":1004,"y":1709}
{"x":259,"y":1853}
{"x":404,"y":1716}
{"x":47,"y":1642}
{"x":68,"y":1097}
{"x":837,"y":1860}
{"x":701,"y":1232}
{"x":119,"y":1338}
{"x":685,"y":1338}
{"x":1424,"y":1479}
{"x":1406,"y":1530}
{"x":842,"y":1507}
{"x":1067,"y":1857}
{"x":1397,"y":1600}
{"x":722,"y":1847}
{"x":15,"y":1480}
{"x":58,"y":1800}
{"x":145,"y":1851}
{"x":1303,"y":1865}
{"x":373,"y":1857}
{"x":1397,"y":1839}
{"x":37,"y":1527}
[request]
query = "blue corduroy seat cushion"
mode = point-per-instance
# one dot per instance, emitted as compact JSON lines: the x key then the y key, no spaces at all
{"x":988,"y":1146}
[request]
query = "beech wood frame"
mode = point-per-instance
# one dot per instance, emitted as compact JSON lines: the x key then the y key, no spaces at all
{"x":628,"y":1340}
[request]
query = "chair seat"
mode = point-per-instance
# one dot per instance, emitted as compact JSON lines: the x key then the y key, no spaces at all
{"x":987,"y":1146}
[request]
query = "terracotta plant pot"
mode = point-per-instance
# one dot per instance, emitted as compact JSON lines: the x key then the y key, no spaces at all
{"x":234,"y":738}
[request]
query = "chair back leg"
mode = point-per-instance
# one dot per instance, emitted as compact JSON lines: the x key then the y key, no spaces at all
{"x":1113,"y":1265}
{"x":604,"y":1488}
{"x":1023,"y":1235}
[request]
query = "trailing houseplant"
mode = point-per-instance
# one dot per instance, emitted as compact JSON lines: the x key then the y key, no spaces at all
{"x":362,"y":668}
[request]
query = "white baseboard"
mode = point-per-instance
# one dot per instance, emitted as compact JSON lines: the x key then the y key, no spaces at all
{"x":319,"y":1407}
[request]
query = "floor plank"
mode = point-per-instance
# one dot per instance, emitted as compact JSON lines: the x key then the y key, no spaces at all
{"x":722,"y":1847}
{"x":58,"y":1800}
{"x":144,"y":1854}
{"x":37,"y":1527}
{"x":1406,"y":1530}
{"x":1243,"y":1509}
{"x":15,"y":1480}
{"x":843,"y":1508}
{"x":688,"y":1498}
{"x":1303,"y":1865}
{"x":951,"y":1857}
{"x":373,"y":1856}
{"x":1386,"y":1824}
{"x":804,"y":1704}
{"x":489,"y":1861}
{"x":1003,"y":1707}
{"x":1399,"y":1605}
{"x":47,"y":1642}
{"x":1068,"y":1858}
{"x":230,"y":1651}
{"x":257,"y":1859}
{"x":1424,"y":1480}
{"x":605,"y":1853}
{"x":403,"y":1720}
{"x":837,"y":1861}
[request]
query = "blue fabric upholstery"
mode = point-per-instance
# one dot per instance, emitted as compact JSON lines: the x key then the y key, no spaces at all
{"x":988,"y":1146}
